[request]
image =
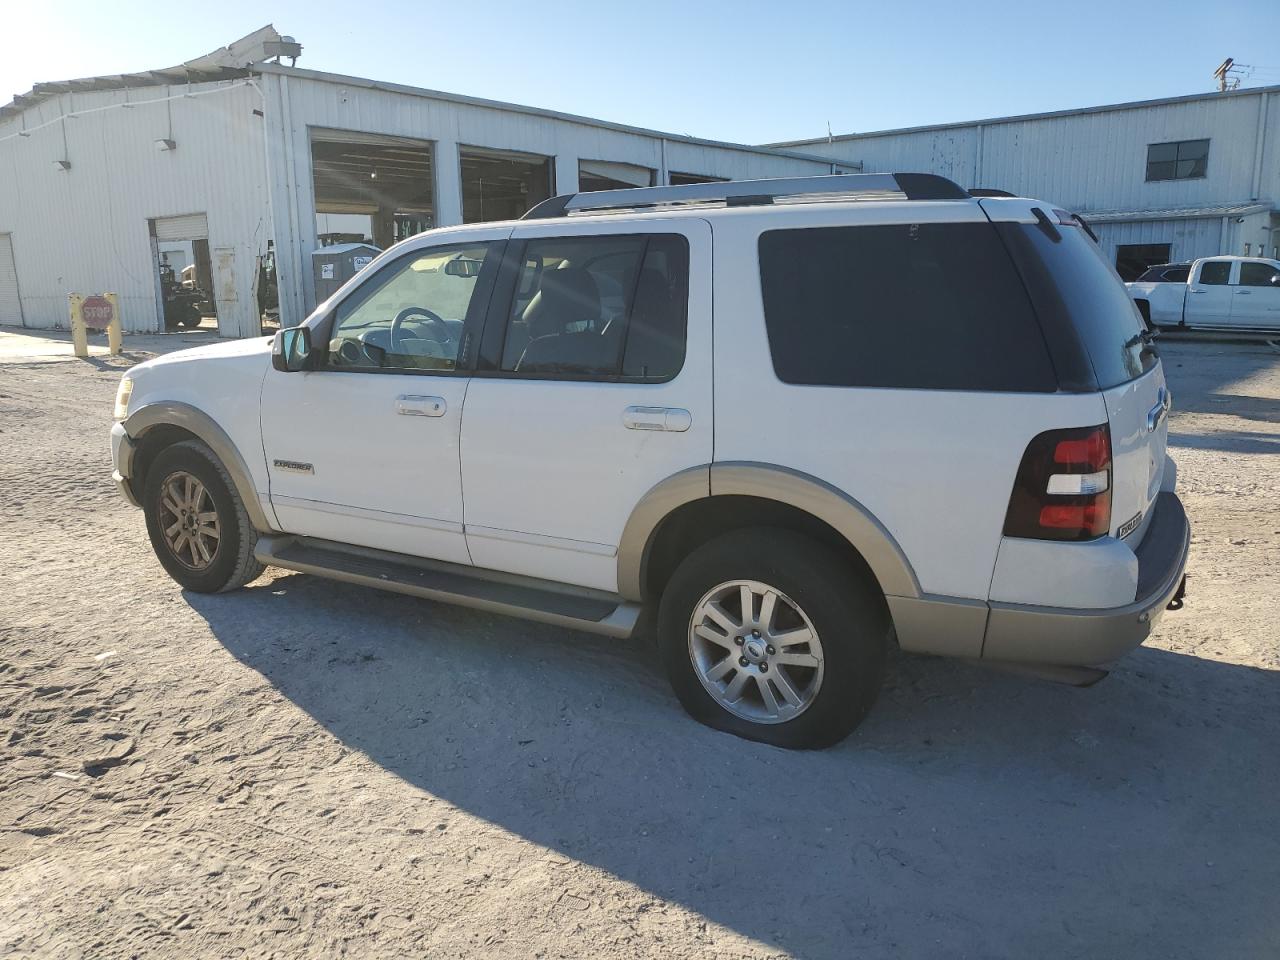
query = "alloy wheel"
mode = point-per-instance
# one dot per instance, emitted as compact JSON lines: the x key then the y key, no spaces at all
{"x":755,"y":651}
{"x":189,"y":520}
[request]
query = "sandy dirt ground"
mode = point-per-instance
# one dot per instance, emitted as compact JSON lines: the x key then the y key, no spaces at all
{"x":308,"y":769}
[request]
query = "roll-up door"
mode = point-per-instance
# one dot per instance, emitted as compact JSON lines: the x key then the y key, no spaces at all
{"x":192,"y":226}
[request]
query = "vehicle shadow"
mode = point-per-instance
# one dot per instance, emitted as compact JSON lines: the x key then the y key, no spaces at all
{"x":1229,"y":441}
{"x":973,"y":814}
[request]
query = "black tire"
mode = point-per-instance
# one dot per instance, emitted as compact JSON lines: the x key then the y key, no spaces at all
{"x":232,"y":563}
{"x":843,"y":605}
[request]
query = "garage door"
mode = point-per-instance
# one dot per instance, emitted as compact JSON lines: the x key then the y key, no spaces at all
{"x":192,"y":226}
{"x":10,"y":307}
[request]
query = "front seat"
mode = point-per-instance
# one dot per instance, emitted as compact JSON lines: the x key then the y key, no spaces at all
{"x":565,"y":297}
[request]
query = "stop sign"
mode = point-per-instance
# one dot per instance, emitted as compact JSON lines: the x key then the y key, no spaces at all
{"x":97,"y":312}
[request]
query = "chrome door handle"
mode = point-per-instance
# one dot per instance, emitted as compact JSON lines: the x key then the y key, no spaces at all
{"x":414,"y":406}
{"x":1243,"y":293}
{"x":1160,"y":410}
{"x":671,"y":419}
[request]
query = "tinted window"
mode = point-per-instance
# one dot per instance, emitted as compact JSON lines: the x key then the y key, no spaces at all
{"x":1180,"y":160}
{"x":925,"y":306}
{"x":410,"y":314}
{"x":1259,"y":275}
{"x":1080,"y":295}
{"x":1164,"y":273}
{"x":1216,"y":273}
{"x":599,"y":307}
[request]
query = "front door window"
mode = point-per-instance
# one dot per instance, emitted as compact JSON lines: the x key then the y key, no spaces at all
{"x":413,"y":314}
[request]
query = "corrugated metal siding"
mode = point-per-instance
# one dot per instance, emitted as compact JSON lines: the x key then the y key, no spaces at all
{"x":297,"y":103}
{"x":1091,"y":161}
{"x":85,"y":230}
{"x":1188,"y":239}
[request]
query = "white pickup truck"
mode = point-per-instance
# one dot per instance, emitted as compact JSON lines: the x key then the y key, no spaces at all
{"x":1219,"y":293}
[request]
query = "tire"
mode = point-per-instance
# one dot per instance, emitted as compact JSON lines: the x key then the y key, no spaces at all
{"x":816,"y":589}
{"x":217,"y":563}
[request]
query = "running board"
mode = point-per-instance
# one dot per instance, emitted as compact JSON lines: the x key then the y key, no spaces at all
{"x":593,"y":611}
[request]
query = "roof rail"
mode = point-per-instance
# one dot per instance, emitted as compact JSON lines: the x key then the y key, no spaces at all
{"x":743,"y":193}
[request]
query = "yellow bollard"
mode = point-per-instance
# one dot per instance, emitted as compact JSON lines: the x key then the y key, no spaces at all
{"x":115,"y":327}
{"x":79,"y":336}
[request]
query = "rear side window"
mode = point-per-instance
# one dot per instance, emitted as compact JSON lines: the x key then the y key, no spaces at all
{"x":1083,"y":303}
{"x":1216,"y":274}
{"x":599,"y":308}
{"x":1177,"y":275}
{"x":929,"y":306}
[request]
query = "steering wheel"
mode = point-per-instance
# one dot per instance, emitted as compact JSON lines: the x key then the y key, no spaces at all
{"x":440,"y":329}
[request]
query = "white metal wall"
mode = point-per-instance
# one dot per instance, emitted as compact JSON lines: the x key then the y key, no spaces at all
{"x":85,"y":230}
{"x":299,"y":100}
{"x":1093,"y":160}
{"x":1188,"y":239}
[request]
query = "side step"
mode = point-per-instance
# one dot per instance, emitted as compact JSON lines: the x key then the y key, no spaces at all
{"x":578,"y":609}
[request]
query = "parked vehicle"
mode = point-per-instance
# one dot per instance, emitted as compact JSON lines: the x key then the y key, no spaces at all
{"x":775,"y":424}
{"x":1216,"y":293}
{"x":184,"y":303}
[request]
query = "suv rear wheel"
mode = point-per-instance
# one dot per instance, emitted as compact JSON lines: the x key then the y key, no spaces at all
{"x":774,"y":637}
{"x":199,"y":528}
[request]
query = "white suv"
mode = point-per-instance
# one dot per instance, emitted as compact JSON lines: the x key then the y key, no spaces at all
{"x":777,"y":424}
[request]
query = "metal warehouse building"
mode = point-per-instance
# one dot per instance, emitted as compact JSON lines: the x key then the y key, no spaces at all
{"x":1160,"y":180}
{"x":228,"y":162}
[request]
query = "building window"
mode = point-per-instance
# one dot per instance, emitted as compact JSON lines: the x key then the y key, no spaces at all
{"x":1180,"y":160}
{"x":502,"y":184}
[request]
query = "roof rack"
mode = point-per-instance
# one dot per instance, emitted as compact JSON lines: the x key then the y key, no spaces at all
{"x":744,"y":193}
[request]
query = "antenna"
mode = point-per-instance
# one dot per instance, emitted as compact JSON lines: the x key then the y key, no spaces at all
{"x":1229,"y":74}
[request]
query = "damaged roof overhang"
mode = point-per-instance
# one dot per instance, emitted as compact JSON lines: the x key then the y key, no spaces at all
{"x":226,"y":63}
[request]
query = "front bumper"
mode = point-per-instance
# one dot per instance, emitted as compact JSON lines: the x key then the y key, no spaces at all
{"x":122,"y":462}
{"x":1021,"y":633}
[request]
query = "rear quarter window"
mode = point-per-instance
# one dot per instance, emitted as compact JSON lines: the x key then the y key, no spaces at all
{"x":1089,"y":318}
{"x":932,"y":306}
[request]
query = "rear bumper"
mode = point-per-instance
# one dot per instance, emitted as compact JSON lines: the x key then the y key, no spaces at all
{"x":122,"y":462}
{"x":1021,"y":633}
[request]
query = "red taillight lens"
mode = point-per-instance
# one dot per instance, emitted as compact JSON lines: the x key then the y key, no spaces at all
{"x":1063,"y":488}
{"x":1086,"y":455}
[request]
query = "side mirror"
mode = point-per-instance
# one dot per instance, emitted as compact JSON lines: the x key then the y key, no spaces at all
{"x":291,"y":349}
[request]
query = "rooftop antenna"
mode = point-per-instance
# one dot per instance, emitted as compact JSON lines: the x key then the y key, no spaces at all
{"x":1229,"y":74}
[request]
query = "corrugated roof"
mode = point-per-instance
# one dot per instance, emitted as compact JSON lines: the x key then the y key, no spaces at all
{"x":1182,"y":213}
{"x":225,"y":63}
{"x":1018,"y":118}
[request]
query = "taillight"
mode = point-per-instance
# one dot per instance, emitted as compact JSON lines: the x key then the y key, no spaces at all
{"x":1063,"y":489}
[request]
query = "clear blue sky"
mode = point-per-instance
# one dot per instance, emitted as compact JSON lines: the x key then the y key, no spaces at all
{"x":746,"y":71}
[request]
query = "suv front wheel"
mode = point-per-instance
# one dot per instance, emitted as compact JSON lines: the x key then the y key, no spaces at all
{"x":199,"y":528}
{"x":774,"y":637}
